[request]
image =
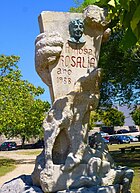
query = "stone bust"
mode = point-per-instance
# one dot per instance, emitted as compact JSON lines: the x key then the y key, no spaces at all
{"x":76,"y":29}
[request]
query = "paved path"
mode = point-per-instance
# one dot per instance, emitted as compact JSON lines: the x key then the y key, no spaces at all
{"x":25,"y":164}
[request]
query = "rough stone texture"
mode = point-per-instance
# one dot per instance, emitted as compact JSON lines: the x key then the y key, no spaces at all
{"x":70,"y":70}
{"x":95,"y":16}
{"x":103,"y":189}
{"x":22,"y":184}
{"x":96,"y":169}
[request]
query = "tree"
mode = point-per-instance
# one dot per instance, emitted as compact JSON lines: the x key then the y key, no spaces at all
{"x":94,"y":117}
{"x":107,"y":116}
{"x":123,"y":14}
{"x":136,"y":116}
{"x":120,"y":74}
{"x":112,"y":117}
{"x":22,"y":112}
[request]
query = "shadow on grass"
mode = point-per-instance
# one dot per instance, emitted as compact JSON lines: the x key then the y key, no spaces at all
{"x":130,"y":159}
{"x":6,"y":162}
{"x":6,"y":165}
{"x":25,"y":161}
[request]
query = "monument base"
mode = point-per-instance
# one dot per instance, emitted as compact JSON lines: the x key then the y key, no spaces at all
{"x":23,"y":184}
{"x":96,"y":172}
{"x":101,"y":189}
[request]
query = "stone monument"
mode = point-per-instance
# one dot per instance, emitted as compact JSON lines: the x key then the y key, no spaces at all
{"x":66,"y":59}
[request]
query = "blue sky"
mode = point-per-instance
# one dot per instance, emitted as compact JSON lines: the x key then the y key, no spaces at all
{"x":19,"y":28}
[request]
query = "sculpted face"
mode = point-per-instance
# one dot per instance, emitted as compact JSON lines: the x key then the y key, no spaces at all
{"x":76,"y":28}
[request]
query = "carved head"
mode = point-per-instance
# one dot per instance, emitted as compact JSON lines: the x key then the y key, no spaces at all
{"x":76,"y":29}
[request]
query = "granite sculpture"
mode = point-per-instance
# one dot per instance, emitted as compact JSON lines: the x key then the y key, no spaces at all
{"x":67,"y":54}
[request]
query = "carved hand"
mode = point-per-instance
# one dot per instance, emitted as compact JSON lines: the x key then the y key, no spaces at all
{"x":47,"y":51}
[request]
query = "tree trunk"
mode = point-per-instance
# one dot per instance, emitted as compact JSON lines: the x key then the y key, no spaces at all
{"x":23,"y":141}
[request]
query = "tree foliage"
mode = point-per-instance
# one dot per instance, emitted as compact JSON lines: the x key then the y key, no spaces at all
{"x":136,"y":116}
{"x":107,"y":117}
{"x":120,"y":74}
{"x":94,"y":117}
{"x":112,"y":117}
{"x":22,"y":112}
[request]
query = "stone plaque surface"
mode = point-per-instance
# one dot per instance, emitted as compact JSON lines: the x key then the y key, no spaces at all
{"x":76,"y":59}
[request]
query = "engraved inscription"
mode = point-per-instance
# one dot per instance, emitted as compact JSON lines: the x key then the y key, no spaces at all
{"x":72,"y":59}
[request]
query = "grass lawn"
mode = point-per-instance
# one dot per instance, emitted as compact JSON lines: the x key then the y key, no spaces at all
{"x":130,"y":159}
{"x":6,"y":165}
